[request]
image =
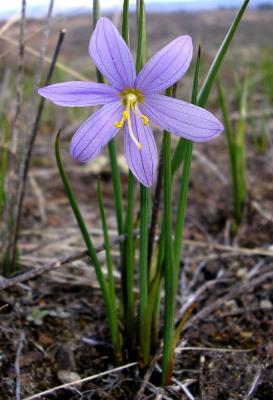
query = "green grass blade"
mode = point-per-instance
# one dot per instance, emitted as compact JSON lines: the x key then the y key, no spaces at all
{"x":112,"y":318}
{"x":179,"y":154}
{"x":211,"y":76}
{"x":109,"y":260}
{"x":232,"y":152}
{"x":96,"y":16}
{"x":185,"y":178}
{"x":241,"y":143}
{"x":215,"y":66}
{"x":125,"y":19}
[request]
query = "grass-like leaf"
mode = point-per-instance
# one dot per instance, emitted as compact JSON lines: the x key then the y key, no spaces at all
{"x":210,"y":78}
{"x":110,"y":310}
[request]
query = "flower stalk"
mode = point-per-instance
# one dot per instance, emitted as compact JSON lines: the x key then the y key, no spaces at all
{"x":169,"y":271}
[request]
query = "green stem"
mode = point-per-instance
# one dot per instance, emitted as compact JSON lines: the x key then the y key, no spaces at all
{"x":143,"y":250}
{"x":125,"y":24}
{"x":128,"y":263}
{"x":128,"y":270}
{"x":116,"y":188}
{"x":112,"y":151}
{"x":96,"y":16}
{"x":145,"y":340}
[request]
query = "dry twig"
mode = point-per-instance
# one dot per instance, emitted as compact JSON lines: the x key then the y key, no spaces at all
{"x":255,"y":384}
{"x":7,"y":283}
{"x":24,"y":167}
{"x":17,"y":365}
{"x":80,"y":381}
{"x":234,"y":292}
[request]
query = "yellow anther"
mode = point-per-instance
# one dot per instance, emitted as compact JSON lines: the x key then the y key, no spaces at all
{"x":145,"y":119}
{"x":120,"y":124}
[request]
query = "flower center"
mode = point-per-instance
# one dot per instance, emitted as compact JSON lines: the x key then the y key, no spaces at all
{"x":130,"y":99}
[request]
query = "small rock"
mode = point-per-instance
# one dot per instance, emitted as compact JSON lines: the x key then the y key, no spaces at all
{"x":265,"y":304}
{"x":68,"y":376}
{"x":241,"y":273}
{"x":269,"y":349}
{"x":45,"y":340}
{"x":231,"y":305}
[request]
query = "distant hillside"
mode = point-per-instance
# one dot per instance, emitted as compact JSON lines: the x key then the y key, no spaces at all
{"x":6,"y":10}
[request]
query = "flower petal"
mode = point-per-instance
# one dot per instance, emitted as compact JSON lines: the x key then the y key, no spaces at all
{"x":111,"y":55}
{"x":79,"y":94}
{"x":142,"y":163}
{"x":183,"y":119}
{"x":96,"y":132}
{"x":166,"y":67}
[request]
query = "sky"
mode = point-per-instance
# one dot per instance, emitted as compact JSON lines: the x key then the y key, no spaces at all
{"x":7,"y":8}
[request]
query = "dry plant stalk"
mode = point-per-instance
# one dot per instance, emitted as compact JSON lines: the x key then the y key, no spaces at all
{"x":20,"y":171}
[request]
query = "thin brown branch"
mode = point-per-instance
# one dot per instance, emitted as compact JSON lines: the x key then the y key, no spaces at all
{"x":20,"y":77}
{"x":48,"y":60}
{"x":46,"y":31}
{"x":17,"y":365}
{"x":244,"y":251}
{"x":33,"y":273}
{"x":234,"y":292}
{"x":24,"y":168}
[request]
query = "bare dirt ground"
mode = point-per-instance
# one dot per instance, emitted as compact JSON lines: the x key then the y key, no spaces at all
{"x":54,"y":328}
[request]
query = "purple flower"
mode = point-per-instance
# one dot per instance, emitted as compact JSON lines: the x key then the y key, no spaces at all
{"x":132,"y":101}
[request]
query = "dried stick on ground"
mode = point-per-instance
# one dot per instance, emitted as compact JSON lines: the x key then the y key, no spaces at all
{"x":80,"y":381}
{"x":7,"y":283}
{"x":23,"y":173}
{"x":147,"y":377}
{"x":48,"y":60}
{"x":17,"y":365}
{"x":12,"y":181}
{"x":255,"y":383}
{"x":234,"y":292}
{"x":46,"y":31}
{"x":20,"y":78}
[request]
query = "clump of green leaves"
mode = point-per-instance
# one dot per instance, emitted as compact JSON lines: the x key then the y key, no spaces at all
{"x":236,"y":139}
{"x":157,"y":270}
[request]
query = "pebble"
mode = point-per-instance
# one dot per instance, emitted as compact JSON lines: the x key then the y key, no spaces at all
{"x":68,"y":376}
{"x":265,"y":304}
